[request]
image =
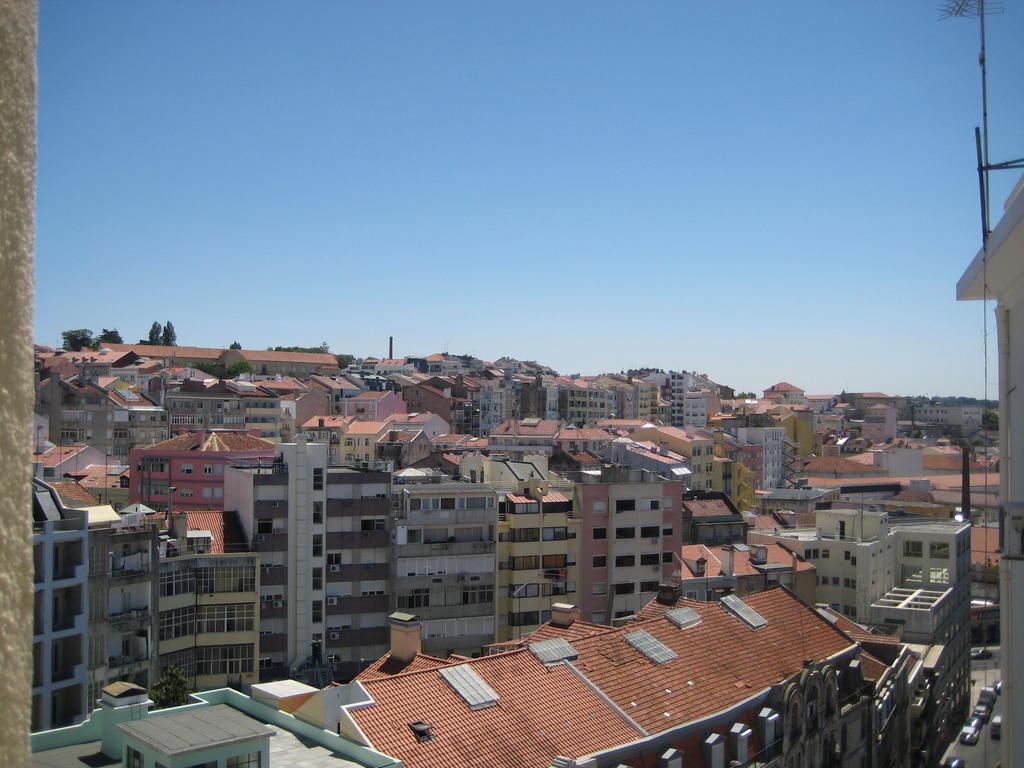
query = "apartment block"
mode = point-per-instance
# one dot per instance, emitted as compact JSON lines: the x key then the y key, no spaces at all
{"x":123,"y":603}
{"x":322,"y":534}
{"x":443,"y":561}
{"x":233,"y":404}
{"x":60,"y":640}
{"x":710,"y":573}
{"x":630,"y":527}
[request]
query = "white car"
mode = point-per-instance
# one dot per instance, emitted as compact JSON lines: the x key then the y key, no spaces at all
{"x":969,"y":734}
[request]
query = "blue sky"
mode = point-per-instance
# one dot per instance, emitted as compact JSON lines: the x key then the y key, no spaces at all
{"x":758,"y":191}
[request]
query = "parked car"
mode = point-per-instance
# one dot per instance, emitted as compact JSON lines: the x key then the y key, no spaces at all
{"x":996,"y":727}
{"x":982,"y":712}
{"x":987,"y":696}
{"x":977,"y":654}
{"x":954,"y":762}
{"x":969,"y":734}
{"x":997,"y":686}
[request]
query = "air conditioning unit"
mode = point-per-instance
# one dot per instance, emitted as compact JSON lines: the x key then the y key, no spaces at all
{"x":332,"y":601}
{"x":278,"y":604}
{"x":334,"y":636}
{"x":654,"y":540}
{"x":335,"y":569}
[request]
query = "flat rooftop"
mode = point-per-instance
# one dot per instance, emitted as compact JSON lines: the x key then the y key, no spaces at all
{"x":911,"y":599}
{"x":286,"y":749}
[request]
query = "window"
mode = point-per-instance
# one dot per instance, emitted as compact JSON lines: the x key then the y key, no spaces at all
{"x":598,"y":588}
{"x":524,"y":563}
{"x":650,"y":559}
{"x":473,"y":594}
{"x":334,"y":558}
{"x":912,"y":549}
{"x":654,"y":504}
{"x":317,"y":611}
{"x":600,"y":533}
{"x":666,"y":531}
{"x":650,"y":531}
{"x":625,"y":533}
{"x":176,"y":582}
{"x":835,"y":581}
{"x":207,"y":469}
{"x":648,"y":586}
{"x":417,"y":597}
{"x":225,"y":578}
{"x":523,"y":618}
{"x":625,"y":561}
{"x":557,"y":533}
{"x":938,"y":549}
{"x":846,"y":555}
{"x":600,"y":561}
{"x":177,"y":623}
{"x":666,"y":557}
{"x":133,"y":758}
{"x":318,"y":545}
{"x":185,"y":469}
{"x":318,"y":578}
{"x":824,"y":554}
{"x":232,"y":617}
{"x":318,"y":478}
{"x":224,"y":659}
{"x":264,"y":526}
{"x":625,"y":505}
{"x":373,"y":524}
{"x":625,"y":588}
{"x":251,"y":760}
{"x":186,"y":493}
{"x":853,"y":560}
{"x":525,"y":534}
{"x":555,"y":561}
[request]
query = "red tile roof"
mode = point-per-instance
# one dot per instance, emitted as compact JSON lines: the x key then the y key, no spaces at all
{"x":386,"y":666}
{"x":218,"y":441}
{"x":152,"y":350}
{"x":542,"y":712}
{"x":742,"y":566}
{"x":223,"y":525}
{"x":51,"y":457}
{"x":321,"y":359}
{"x":73,"y":494}
{"x":836,"y":465}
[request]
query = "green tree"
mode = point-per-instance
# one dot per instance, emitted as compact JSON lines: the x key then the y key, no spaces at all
{"x":344,"y":361}
{"x":169,"y":338}
{"x":156,"y":332}
{"x":235,"y":345}
{"x":78,"y":339}
{"x":171,"y":690}
{"x":237,"y":369}
{"x":109,"y":336}
{"x":990,"y":419}
{"x":214,"y":369}
{"x":746,"y":396}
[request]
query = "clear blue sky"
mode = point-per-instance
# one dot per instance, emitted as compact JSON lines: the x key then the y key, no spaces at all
{"x":760,"y":191}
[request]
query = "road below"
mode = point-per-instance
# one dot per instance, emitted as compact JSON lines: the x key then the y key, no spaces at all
{"x":986,"y":753}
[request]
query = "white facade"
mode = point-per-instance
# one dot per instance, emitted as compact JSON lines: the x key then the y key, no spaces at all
{"x":1000,"y":267}
{"x":774,"y":457}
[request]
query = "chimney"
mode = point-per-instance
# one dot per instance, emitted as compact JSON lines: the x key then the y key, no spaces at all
{"x":726,"y":558}
{"x":406,"y":636}
{"x":758,"y":554}
{"x":668,"y":594}
{"x":391,"y":347}
{"x":564,"y":614}
{"x":321,"y":422}
{"x":179,"y":525}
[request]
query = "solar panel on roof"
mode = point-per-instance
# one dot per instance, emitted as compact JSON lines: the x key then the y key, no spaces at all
{"x":554,"y":650}
{"x":127,"y":394}
{"x":743,"y":612}
{"x":470,"y":686}
{"x":683,"y":617}
{"x":650,"y":646}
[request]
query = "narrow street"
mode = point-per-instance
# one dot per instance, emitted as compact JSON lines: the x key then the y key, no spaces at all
{"x":986,"y":753}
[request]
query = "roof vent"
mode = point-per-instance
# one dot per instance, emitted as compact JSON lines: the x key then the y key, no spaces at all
{"x":470,"y":686}
{"x":553,"y":651}
{"x":743,"y":612}
{"x":421,"y":730}
{"x":684,"y":618}
{"x":650,"y":646}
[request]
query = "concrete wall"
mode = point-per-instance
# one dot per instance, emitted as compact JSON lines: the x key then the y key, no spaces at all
{"x":17,"y":241}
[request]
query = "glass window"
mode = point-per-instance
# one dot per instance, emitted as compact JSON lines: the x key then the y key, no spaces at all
{"x":938,"y":549}
{"x":912,"y":549}
{"x":251,"y":760}
{"x":600,"y":533}
{"x":600,"y":561}
{"x":625,"y":533}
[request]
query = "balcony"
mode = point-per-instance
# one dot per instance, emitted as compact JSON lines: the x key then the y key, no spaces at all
{"x":65,"y":672}
{"x":356,"y":604}
{"x":69,"y":620}
{"x":359,"y":572}
{"x":123,"y":660}
{"x":270,"y":542}
{"x":447,"y":548}
{"x":131,"y":616}
{"x":75,"y":572}
{"x":449,"y":516}
{"x":371,"y":506}
{"x":129,"y":566}
{"x":357,"y":539}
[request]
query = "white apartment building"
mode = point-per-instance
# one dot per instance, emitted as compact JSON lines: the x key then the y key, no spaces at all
{"x":774,"y":457}
{"x":60,"y":554}
{"x":966,"y":417}
{"x":444,"y":566}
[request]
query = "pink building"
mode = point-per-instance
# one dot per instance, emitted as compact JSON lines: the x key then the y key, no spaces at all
{"x":371,"y":406}
{"x":879,"y":423}
{"x":631,"y":527}
{"x":193,"y":465}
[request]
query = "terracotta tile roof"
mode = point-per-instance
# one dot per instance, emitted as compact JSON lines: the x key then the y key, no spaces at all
{"x":516,"y":427}
{"x":709,"y":507}
{"x":837,"y":465}
{"x":226,"y":530}
{"x":776,"y":554}
{"x":101,"y":476}
{"x":449,"y":439}
{"x":985,"y":545}
{"x":948,"y":462}
{"x":872,"y":667}
{"x":698,"y":684}
{"x":152,"y":350}
{"x":222,"y":441}
{"x":386,"y":666}
{"x":366,"y":427}
{"x":331,"y":382}
{"x":413,"y":418}
{"x":329,"y":422}
{"x":372,"y":395}
{"x":322,"y":359}
{"x":583,"y":433}
{"x":58,"y":453}
{"x":73,"y":494}
{"x":542,"y":712}
{"x":783,"y":386}
{"x":575,"y":631}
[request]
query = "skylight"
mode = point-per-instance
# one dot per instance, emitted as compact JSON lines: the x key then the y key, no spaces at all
{"x":554,"y":650}
{"x":743,"y":612}
{"x":649,"y":646}
{"x":683,"y":617}
{"x":470,"y":686}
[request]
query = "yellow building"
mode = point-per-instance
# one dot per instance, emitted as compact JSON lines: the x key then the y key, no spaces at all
{"x":538,"y":546}
{"x":693,"y":444}
{"x":799,"y":432}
